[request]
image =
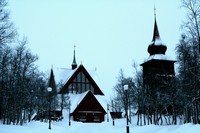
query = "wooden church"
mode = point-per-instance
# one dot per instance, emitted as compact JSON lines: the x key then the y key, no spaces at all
{"x":158,"y":68}
{"x":87,"y":101}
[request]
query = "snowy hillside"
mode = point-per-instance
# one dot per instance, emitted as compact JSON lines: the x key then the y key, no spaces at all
{"x":105,"y":127}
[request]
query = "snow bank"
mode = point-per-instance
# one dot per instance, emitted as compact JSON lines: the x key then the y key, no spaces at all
{"x":104,"y":127}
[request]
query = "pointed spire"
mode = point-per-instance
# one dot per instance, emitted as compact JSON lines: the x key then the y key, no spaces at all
{"x":52,"y":82}
{"x":156,"y":46}
{"x":74,"y":64}
{"x":156,"y":31}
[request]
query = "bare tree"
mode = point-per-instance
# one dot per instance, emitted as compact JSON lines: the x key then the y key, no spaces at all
{"x":7,"y":30}
{"x":192,"y":23}
{"x":191,"y":26}
{"x":120,"y":92}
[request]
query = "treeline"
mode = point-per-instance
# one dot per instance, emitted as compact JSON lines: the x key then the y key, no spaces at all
{"x":180,"y":101}
{"x":188,"y":57}
{"x":22,"y":85}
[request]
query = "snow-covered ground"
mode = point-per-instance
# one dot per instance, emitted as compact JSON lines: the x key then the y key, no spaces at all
{"x":104,"y":127}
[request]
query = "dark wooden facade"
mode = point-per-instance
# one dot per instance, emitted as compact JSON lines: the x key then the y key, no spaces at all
{"x":158,"y":70}
{"x":157,"y":73}
{"x":89,"y":110}
{"x":158,"y":77}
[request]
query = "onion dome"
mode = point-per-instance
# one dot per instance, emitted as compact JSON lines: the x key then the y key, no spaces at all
{"x":156,"y":46}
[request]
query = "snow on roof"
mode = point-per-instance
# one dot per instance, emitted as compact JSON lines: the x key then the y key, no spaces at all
{"x":95,"y":77}
{"x":159,"y":57}
{"x":77,"y":98}
{"x":62,"y":75}
{"x":102,"y":100}
{"x":157,"y":42}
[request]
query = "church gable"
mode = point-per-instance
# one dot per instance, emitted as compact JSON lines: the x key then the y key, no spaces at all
{"x":89,"y":109}
{"x":81,"y":81}
{"x":89,"y":104}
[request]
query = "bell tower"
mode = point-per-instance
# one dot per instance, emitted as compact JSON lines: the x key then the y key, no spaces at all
{"x":158,"y":69}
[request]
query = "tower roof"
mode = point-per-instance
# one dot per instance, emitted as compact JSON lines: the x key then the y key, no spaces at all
{"x":156,"y":46}
{"x":52,"y":83}
{"x":74,"y":64}
{"x":91,"y":77}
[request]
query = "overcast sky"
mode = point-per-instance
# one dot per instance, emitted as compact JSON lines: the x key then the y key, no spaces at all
{"x":108,"y":34}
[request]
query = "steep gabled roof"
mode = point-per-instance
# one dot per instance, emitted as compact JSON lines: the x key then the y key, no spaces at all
{"x":73,"y":74}
{"x":75,"y":100}
{"x":83,"y":102}
{"x":52,"y":83}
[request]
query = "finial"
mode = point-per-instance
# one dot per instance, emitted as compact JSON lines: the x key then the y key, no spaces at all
{"x":74,"y":61}
{"x":74,"y":64}
{"x":74,"y":46}
{"x":154,"y":11}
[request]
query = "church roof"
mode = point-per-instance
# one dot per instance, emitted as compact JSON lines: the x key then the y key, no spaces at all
{"x":158,"y":57}
{"x":77,"y":99}
{"x":63,"y":75}
{"x":52,"y":83}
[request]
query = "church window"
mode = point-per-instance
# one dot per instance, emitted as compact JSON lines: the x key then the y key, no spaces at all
{"x":83,"y":77}
{"x":83,"y":87}
{"x":70,"y":88}
{"x":80,"y":84}
{"x":92,"y":89}
{"x":87,"y":87}
{"x":79,"y":77}
{"x":79,"y":88}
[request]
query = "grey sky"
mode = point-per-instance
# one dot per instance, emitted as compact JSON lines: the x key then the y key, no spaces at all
{"x":108,"y":34}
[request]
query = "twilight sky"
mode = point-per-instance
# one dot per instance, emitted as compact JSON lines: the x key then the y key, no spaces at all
{"x":108,"y":34}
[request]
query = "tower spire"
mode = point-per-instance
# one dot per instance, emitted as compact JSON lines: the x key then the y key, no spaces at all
{"x":74,"y":64}
{"x":156,"y":46}
{"x":52,"y":82}
{"x":156,"y":31}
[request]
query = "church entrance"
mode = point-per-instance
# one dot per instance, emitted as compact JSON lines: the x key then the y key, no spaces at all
{"x":89,"y":117}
